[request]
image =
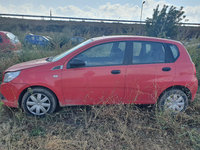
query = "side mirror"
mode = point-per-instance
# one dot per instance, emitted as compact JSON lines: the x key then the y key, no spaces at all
{"x":76,"y":63}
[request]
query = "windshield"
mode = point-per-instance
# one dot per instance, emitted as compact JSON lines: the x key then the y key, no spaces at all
{"x":12,"y":37}
{"x":60,"y":56}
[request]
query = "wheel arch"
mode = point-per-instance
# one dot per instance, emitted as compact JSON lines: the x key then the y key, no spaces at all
{"x":180,"y":87}
{"x":25,"y":90}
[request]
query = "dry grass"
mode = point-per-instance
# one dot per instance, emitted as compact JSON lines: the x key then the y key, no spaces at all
{"x":101,"y":127}
{"x":119,"y":127}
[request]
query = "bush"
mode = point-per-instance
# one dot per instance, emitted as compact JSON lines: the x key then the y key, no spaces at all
{"x":194,"y":51}
{"x":164,"y":22}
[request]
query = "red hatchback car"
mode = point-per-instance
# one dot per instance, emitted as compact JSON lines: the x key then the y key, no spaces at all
{"x":105,"y":70}
{"x":9,"y":42}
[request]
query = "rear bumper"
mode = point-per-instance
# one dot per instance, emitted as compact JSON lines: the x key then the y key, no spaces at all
{"x":193,"y":87}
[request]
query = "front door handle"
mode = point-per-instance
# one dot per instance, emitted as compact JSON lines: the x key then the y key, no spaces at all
{"x":166,"y":69}
{"x":115,"y":71}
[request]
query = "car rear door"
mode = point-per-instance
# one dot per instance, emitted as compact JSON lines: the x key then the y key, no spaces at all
{"x":165,"y":72}
{"x":146,"y":59}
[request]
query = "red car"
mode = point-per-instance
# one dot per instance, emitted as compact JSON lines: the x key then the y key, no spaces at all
{"x":9,"y":42}
{"x":105,"y":70}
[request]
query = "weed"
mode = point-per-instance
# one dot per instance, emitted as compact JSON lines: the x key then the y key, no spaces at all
{"x":1,"y":106}
{"x":37,"y":131}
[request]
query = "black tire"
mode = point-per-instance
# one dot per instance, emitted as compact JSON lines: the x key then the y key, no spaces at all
{"x":39,"y":101}
{"x":173,"y":101}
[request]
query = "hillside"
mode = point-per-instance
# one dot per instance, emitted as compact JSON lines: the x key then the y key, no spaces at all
{"x":85,"y":29}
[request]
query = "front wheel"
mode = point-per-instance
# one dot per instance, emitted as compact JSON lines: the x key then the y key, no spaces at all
{"x":173,"y":101}
{"x":38,"y":102}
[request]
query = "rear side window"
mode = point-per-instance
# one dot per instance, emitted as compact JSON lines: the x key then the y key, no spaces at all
{"x":148,"y":52}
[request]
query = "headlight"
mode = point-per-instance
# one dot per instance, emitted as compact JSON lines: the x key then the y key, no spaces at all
{"x":9,"y":76}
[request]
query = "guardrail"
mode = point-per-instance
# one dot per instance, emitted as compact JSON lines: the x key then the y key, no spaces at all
{"x":85,"y":19}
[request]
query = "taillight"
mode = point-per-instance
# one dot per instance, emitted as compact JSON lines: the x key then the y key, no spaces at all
{"x":194,"y":69}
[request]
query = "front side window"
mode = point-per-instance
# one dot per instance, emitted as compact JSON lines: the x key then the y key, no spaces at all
{"x":62,"y":55}
{"x":148,"y":53}
{"x":106,"y":54}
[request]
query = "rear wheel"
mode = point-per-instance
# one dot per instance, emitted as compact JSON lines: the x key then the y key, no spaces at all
{"x":38,"y":102}
{"x":174,"y":101}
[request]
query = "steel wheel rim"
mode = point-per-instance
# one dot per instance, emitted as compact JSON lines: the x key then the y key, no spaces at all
{"x":175,"y":103}
{"x":38,"y":104}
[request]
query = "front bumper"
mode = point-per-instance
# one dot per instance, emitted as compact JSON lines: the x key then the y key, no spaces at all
{"x":9,"y":93}
{"x":6,"y":102}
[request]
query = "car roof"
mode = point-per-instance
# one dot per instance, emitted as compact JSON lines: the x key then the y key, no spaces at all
{"x":134,"y":37}
{"x":4,"y":32}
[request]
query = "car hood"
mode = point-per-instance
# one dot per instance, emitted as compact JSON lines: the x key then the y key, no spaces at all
{"x":28,"y":64}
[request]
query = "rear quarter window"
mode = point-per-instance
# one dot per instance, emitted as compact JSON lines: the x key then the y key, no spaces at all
{"x":172,"y":53}
{"x":175,"y":51}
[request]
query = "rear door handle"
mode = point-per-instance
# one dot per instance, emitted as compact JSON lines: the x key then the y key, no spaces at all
{"x":166,"y":69}
{"x":115,"y":71}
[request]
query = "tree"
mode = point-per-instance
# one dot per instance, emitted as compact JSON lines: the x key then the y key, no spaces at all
{"x":164,"y":23}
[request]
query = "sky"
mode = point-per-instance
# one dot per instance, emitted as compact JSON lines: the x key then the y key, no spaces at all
{"x":101,"y":9}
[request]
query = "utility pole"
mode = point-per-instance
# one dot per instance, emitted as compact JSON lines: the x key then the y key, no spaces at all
{"x":50,"y":15}
{"x":141,"y":12}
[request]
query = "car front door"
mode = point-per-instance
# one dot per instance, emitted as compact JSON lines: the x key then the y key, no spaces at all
{"x":95,"y":76}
